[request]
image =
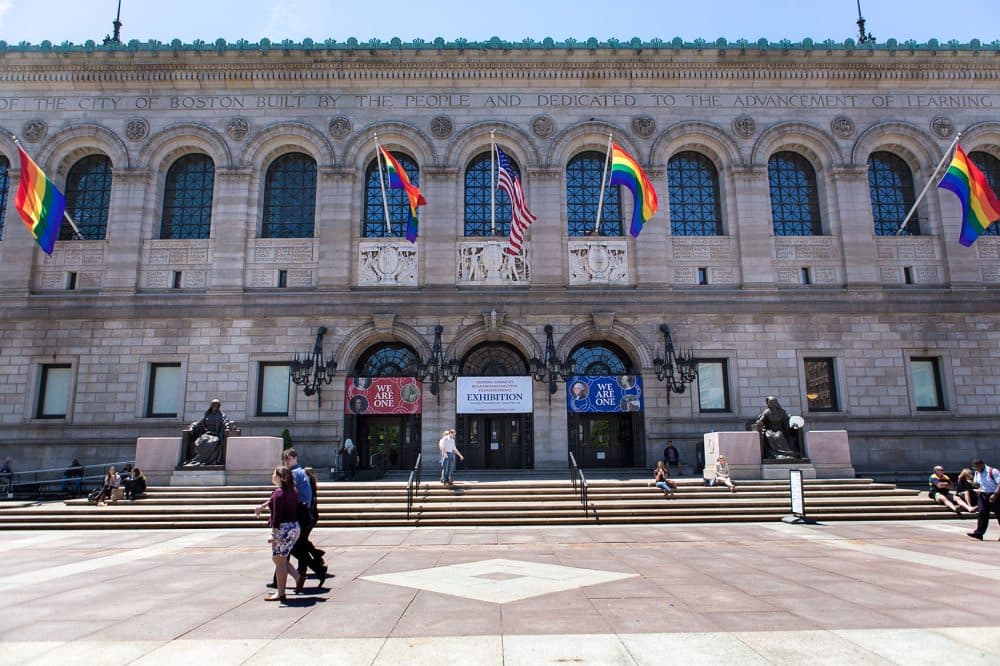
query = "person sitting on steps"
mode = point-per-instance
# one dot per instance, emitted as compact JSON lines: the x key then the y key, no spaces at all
{"x":661,"y":479}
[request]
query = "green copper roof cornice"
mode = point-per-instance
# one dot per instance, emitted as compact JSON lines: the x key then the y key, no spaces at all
{"x":496,"y":43}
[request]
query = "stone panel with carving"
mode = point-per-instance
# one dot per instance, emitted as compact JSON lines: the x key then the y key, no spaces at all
{"x":161,"y":257}
{"x":284,"y":250}
{"x":486,"y":262}
{"x":267,"y":256}
{"x":922,"y":254}
{"x":806,"y":248}
{"x":85,"y":258}
{"x":387,"y":263}
{"x":598,"y":262}
{"x":702,"y":248}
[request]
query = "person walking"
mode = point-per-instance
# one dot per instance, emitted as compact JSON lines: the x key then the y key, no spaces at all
{"x":449,"y":451}
{"x":282,"y":506}
{"x":315,"y":554}
{"x":350,"y":459}
{"x":303,"y":550}
{"x":986,"y":480}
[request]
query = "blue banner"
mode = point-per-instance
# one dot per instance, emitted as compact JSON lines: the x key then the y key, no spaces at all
{"x":586,"y":393}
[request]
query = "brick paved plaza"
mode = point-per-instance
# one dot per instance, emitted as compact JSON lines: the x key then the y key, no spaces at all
{"x":886,"y":592}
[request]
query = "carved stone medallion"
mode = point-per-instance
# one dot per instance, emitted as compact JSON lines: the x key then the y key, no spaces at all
{"x":543,"y":126}
{"x":943,"y":127}
{"x":442,"y":127}
{"x":744,"y":126}
{"x":340,"y":127}
{"x":843,"y":127}
{"x":34,"y":130}
{"x":137,"y":129}
{"x":237,"y":128}
{"x":643,"y":126}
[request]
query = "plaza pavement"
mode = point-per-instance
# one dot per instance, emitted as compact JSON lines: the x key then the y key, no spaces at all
{"x":859,"y":593}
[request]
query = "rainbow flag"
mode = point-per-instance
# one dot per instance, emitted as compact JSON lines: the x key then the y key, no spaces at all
{"x":980,"y":206}
{"x":40,"y":204}
{"x":626,"y":171}
{"x":399,"y":180}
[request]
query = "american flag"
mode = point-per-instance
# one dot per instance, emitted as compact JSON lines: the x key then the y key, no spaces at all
{"x":521,"y":217}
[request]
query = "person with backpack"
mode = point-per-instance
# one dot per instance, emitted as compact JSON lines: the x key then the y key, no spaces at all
{"x":986,"y":480}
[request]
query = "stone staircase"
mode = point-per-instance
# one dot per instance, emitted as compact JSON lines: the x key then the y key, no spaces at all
{"x":487,"y":503}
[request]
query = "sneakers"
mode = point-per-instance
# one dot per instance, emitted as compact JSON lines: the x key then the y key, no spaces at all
{"x":974,"y":535}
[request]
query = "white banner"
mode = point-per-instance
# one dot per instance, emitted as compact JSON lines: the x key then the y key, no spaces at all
{"x":494,"y":395}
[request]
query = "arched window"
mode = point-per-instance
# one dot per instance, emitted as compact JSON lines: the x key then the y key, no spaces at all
{"x":187,"y":198}
{"x":890,"y":183}
{"x":990,"y":166}
{"x":583,"y":189}
{"x":4,"y":187}
{"x":600,"y":358}
{"x":794,"y":195}
{"x":390,"y":359}
{"x":480,"y":180}
{"x":290,"y":197}
{"x":88,"y":197}
{"x":693,"y":184}
{"x":373,"y":225}
{"x":493,"y":359}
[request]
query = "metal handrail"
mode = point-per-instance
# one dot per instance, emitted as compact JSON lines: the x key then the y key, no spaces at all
{"x":583,"y":491}
{"x":573,"y":470}
{"x":412,"y":485}
{"x":41,"y":477}
{"x":579,"y":481}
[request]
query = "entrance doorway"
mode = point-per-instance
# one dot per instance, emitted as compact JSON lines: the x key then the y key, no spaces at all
{"x":495,"y":441}
{"x":606,"y":440}
{"x":397,"y":437}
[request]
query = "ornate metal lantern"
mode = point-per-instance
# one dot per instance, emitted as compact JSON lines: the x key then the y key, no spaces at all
{"x":313,"y":371}
{"x":677,"y":370}
{"x":550,"y":369}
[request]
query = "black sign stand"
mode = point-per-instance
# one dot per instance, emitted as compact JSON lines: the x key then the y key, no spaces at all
{"x":798,"y":500}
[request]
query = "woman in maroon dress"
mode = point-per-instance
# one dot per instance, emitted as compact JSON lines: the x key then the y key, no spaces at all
{"x":284,"y":524}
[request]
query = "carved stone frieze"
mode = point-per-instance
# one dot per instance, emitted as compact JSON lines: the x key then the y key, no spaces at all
{"x":843,"y":127}
{"x":237,"y":129}
{"x":486,"y":262}
{"x":387,"y":263}
{"x":907,"y":248}
{"x":543,"y":126}
{"x":598,"y":262}
{"x":943,"y":127}
{"x":442,"y":127}
{"x":137,"y":129}
{"x":643,"y":126}
{"x":34,"y":130}
{"x":702,"y":248}
{"x":340,"y":127}
{"x":176,"y":252}
{"x":57,"y":280}
{"x":799,"y":248}
{"x":284,"y":250}
{"x":744,"y":126}
{"x":77,"y":253}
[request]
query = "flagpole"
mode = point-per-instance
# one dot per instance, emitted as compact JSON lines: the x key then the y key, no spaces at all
{"x":913,"y":208}
{"x":381,"y":182}
{"x":72,"y":224}
{"x":604,"y":177}
{"x":493,"y":183}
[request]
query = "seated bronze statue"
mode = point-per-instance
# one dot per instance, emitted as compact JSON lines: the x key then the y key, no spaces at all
{"x":208,"y":434}
{"x":780,"y":439}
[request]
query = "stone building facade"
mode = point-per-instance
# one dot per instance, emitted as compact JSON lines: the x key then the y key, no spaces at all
{"x":229,"y":210}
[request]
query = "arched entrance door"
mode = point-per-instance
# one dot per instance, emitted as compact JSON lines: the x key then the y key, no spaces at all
{"x":605,"y":404}
{"x":383,"y":406}
{"x":494,"y":424}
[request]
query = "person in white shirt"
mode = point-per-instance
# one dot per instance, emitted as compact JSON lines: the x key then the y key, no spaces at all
{"x":448,"y":450}
{"x":986,"y":480}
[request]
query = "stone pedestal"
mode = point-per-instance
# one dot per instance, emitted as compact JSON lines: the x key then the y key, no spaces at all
{"x":828,"y":450}
{"x":157,"y":457}
{"x":778,"y":471}
{"x":198,"y":477}
{"x":250,"y":460}
{"x":742,"y":451}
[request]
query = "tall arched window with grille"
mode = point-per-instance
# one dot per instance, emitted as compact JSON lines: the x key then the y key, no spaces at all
{"x":387,"y":359}
{"x":693,"y":185}
{"x":583,"y":190}
{"x":890,"y":183}
{"x":794,"y":195}
{"x":600,"y":358}
{"x":373,"y":224}
{"x":4,"y":187}
{"x":88,"y":198}
{"x":187,"y":198}
{"x":990,"y":166}
{"x":480,"y":179}
{"x":290,"y":197}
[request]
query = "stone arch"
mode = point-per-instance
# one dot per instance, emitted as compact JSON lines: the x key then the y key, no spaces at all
{"x":588,"y":135}
{"x":623,"y":335}
{"x":700,"y":137}
{"x":275,"y":140}
{"x":516,"y":335}
{"x":393,"y":136}
{"x":166,"y":146}
{"x":815,"y":144}
{"x":916,"y":147}
{"x":476,"y":138}
{"x":66,"y":147}
{"x":984,"y":136}
{"x":361,"y":338}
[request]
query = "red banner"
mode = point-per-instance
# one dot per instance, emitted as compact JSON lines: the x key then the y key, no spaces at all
{"x":383,"y":395}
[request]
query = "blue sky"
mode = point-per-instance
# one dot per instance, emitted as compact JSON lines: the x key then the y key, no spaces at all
{"x":80,"y":20}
